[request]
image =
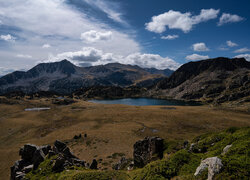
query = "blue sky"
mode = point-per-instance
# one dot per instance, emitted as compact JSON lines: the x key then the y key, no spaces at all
{"x":160,"y":34}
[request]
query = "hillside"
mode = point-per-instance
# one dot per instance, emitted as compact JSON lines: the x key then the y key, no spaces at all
{"x":213,"y":80}
{"x":221,"y":155}
{"x":64,"y":77}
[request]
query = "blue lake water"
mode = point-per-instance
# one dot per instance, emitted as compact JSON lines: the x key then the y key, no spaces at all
{"x":145,"y":102}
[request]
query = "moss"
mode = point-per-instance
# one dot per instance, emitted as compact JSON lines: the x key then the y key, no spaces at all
{"x":179,"y":163}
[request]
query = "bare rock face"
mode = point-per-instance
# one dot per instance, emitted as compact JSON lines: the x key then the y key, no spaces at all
{"x":33,"y":155}
{"x":213,"y":164}
{"x":147,"y":150}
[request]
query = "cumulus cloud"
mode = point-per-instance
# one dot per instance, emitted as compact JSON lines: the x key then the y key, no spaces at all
{"x":231,"y":44}
{"x":27,"y":56}
{"x":229,"y":18}
{"x":94,"y":36}
{"x":195,"y":57}
{"x":242,"y":50}
{"x":246,"y":56}
{"x":92,"y":56}
{"x":200,"y":47}
{"x":46,"y":46}
{"x":170,"y":37}
{"x":177,"y":20}
{"x":7,"y":37}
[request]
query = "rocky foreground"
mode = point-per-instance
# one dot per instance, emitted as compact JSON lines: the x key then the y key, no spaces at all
{"x":223,"y":155}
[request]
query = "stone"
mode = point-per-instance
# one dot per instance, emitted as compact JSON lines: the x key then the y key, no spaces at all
{"x":58,"y":165}
{"x":226,"y":149}
{"x":66,"y":152}
{"x":38,"y":157}
{"x":78,"y":162}
{"x":45,"y":149}
{"x":27,"y":169}
{"x":18,"y":166}
{"x":78,"y":137}
{"x":93,"y":164}
{"x":185,"y":144}
{"x":121,"y":164}
{"x":60,"y":145}
{"x":147,"y":150}
{"x":27,"y":152}
{"x":19,"y":176}
{"x":51,"y":153}
{"x":213,"y":164}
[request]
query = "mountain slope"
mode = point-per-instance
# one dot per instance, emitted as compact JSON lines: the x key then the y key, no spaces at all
{"x":64,"y":77}
{"x":219,"y":79}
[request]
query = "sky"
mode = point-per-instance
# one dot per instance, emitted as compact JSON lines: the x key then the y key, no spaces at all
{"x":149,"y":33}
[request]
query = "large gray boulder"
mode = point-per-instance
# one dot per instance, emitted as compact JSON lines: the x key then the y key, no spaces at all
{"x":27,"y":152}
{"x":213,"y":164}
{"x":147,"y":150}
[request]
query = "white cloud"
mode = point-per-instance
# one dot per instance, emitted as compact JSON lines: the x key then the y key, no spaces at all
{"x":24,"y":56}
{"x":59,"y":23}
{"x":46,"y":46}
{"x":200,"y":47}
{"x":94,"y":36}
{"x":195,"y":57}
{"x":242,"y":50}
{"x":177,"y":20}
{"x":170,"y":37}
{"x":4,"y":71}
{"x":246,"y":56}
{"x":91,"y":56}
{"x":231,"y":44}
{"x":106,"y":7}
{"x":7,"y":37}
{"x":229,"y":18}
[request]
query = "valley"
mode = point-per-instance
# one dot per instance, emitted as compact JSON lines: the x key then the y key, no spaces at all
{"x":111,"y":129}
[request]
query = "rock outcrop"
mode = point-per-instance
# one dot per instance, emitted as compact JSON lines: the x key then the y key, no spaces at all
{"x":32,"y":156}
{"x":147,"y":150}
{"x":226,"y":149}
{"x":213,"y":164}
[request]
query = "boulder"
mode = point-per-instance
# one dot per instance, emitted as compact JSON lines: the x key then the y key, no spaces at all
{"x":27,"y":152}
{"x":93,"y":164}
{"x":121,"y":164}
{"x":38,"y":157}
{"x":66,"y":152}
{"x":226,"y":149}
{"x":58,"y":165}
{"x":147,"y":150}
{"x":60,"y":146}
{"x":18,"y":166}
{"x":45,"y":149}
{"x":213,"y":164}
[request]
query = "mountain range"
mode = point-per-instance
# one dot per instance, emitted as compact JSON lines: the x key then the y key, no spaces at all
{"x":212,"y":80}
{"x":219,"y":80}
{"x":64,"y":77}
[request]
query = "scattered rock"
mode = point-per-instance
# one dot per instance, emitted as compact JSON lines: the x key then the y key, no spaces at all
{"x":33,"y":155}
{"x":213,"y":164}
{"x":147,"y":150}
{"x":78,"y":137}
{"x":85,"y":135}
{"x":226,"y":149}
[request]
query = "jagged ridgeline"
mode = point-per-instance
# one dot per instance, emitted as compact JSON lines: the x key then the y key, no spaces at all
{"x":216,"y":81}
{"x":221,"y":155}
{"x":64,"y":77}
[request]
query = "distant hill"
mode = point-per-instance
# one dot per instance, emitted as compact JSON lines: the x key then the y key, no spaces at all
{"x":65,"y":77}
{"x":219,"y":80}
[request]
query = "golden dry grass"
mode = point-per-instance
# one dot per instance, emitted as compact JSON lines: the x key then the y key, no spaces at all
{"x":110,"y":128}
